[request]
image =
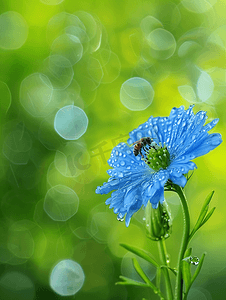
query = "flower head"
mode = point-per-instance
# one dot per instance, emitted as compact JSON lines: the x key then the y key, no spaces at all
{"x":140,"y":172}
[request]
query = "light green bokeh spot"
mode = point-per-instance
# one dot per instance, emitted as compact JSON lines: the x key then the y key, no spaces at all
{"x":13,"y":30}
{"x":197,"y":6}
{"x":61,"y":203}
{"x":188,"y":48}
{"x":89,"y":23}
{"x":68,"y":46}
{"x":81,"y":34}
{"x":20,"y":241}
{"x":67,"y":278}
{"x":95,"y":70}
{"x":162,"y":43}
{"x":59,"y":71}
{"x":58,"y":24}
{"x":149,"y":23}
{"x":161,"y":39}
{"x":187,"y":92}
{"x":17,"y":145}
{"x":70,"y":122}
{"x":205,"y":86}
{"x":36,"y":93}
{"x":136,"y":94}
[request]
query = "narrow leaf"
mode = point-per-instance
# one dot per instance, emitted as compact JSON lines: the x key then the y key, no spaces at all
{"x":141,"y":273}
{"x":207,"y":201}
{"x":199,"y":222}
{"x":128,"y":281}
{"x":197,"y":271}
{"x":145,"y":278}
{"x":186,"y":269}
{"x":202,"y":214}
{"x":143,"y":254}
{"x":208,"y":216}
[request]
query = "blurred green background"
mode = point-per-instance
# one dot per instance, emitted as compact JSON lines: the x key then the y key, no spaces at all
{"x":62,"y":53}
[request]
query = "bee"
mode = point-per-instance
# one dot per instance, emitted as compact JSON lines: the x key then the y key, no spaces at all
{"x":141,"y":144}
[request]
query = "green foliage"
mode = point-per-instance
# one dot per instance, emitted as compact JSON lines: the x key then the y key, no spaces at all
{"x":203,"y":216}
{"x":142,"y":253}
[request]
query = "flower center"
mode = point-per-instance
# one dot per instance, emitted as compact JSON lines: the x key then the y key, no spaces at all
{"x":157,"y":157}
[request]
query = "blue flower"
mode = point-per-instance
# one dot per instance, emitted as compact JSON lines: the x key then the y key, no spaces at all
{"x":134,"y":180}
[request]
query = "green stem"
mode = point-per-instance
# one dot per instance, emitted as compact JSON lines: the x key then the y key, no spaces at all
{"x":163,"y":257}
{"x":184,"y":243}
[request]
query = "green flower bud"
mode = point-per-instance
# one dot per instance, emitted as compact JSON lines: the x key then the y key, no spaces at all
{"x":158,"y":221}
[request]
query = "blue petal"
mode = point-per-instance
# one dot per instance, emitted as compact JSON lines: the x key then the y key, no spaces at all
{"x":158,"y":197}
{"x":156,"y":183}
{"x":204,"y":146}
{"x":149,"y":128}
{"x":178,"y":168}
{"x":127,"y":168}
{"x":124,"y":162}
{"x":197,"y":135}
{"x":181,"y":181}
{"x":131,"y":197}
{"x":132,"y":210}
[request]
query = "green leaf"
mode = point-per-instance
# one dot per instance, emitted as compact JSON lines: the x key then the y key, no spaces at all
{"x":197,"y":271}
{"x":208,"y":216}
{"x":199,"y":221}
{"x":207,"y":201}
{"x":202,"y":214}
{"x":145,"y":278}
{"x":186,"y":269}
{"x":142,"y":274}
{"x":143,"y":254}
{"x":128,"y":281}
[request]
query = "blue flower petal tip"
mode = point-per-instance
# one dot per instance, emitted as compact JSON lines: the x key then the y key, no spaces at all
{"x":155,"y":205}
{"x":97,"y":190}
{"x":159,"y":150}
